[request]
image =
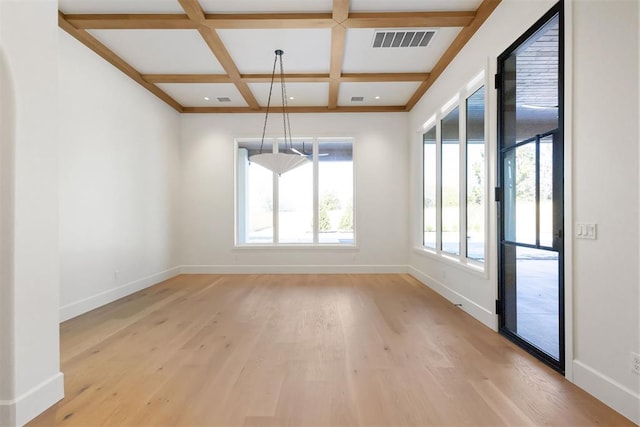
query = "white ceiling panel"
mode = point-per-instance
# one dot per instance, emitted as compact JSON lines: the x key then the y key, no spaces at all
{"x":194,"y":94}
{"x":305,"y":50}
{"x":161,"y":51}
{"x":396,"y":93}
{"x":304,"y":94}
{"x":360,"y":57}
{"x":119,"y":6}
{"x":413,"y":5}
{"x":271,"y":6}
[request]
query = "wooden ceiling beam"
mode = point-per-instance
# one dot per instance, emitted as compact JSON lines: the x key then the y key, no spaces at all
{"x":340,"y":15}
{"x":340,"y":11}
{"x":182,"y":21}
{"x":338,"y":35}
{"x":409,"y":19}
{"x":143,"y":21}
{"x":296,"y":78}
{"x":383,"y":77}
{"x":131,"y":22}
{"x":187,"y":78}
{"x":295,"y":110}
{"x":485,"y":9}
{"x":269,"y":20}
{"x":334,"y":91}
{"x":109,"y":56}
{"x":193,"y":10}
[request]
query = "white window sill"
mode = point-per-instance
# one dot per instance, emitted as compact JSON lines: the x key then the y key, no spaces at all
{"x":296,"y":247}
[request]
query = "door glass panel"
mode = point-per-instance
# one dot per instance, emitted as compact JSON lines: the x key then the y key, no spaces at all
{"x":429,"y":180}
{"x":546,"y":191}
{"x":531,"y":86}
{"x":533,"y":283}
{"x":451,"y":183}
{"x":520,"y":194}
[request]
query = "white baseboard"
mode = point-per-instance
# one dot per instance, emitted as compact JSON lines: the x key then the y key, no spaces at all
{"x":472,"y":308}
{"x":23,"y":409}
{"x":609,"y":391}
{"x":77,"y":308}
{"x":293,"y":269}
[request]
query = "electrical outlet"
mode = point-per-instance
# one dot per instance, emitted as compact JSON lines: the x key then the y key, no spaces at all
{"x":635,"y":363}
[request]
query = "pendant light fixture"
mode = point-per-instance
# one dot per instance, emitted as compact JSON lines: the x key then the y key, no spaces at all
{"x":287,"y":157}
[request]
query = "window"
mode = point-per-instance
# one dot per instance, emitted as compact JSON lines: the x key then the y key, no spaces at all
{"x":454,"y":189}
{"x":450,"y":130}
{"x":311,"y":204}
{"x":475,"y":175}
{"x":295,"y":201}
{"x":429,"y":181}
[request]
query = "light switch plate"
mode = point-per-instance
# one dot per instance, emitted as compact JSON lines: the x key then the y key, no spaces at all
{"x":586,"y":230}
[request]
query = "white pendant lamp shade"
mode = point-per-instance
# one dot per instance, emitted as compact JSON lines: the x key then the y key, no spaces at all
{"x":279,"y":162}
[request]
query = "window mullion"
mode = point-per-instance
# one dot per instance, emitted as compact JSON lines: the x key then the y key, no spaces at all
{"x":316,"y":197}
{"x":439,"y":185}
{"x":276,"y":201}
{"x":463,"y":178}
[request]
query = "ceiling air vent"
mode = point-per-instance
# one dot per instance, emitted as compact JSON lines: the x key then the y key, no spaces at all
{"x":357,"y":98}
{"x":224,"y":99}
{"x":403,"y":38}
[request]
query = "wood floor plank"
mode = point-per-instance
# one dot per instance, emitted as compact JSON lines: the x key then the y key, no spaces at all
{"x":303,"y":350}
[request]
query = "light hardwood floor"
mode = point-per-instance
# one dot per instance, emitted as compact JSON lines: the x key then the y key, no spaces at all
{"x":303,"y":350}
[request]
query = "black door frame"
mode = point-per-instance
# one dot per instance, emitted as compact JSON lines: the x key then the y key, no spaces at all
{"x":558,"y":191}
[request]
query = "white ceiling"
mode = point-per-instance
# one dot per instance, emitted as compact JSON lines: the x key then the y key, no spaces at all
{"x":184,"y":53}
{"x":252,"y":50}
{"x":265,"y":6}
{"x":161,"y":51}
{"x":194,"y":94}
{"x":413,"y":5}
{"x":119,"y":6}
{"x":394,"y":93}
{"x":314,"y":94}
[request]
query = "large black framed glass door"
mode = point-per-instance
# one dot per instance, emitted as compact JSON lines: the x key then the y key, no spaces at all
{"x":530,"y":192}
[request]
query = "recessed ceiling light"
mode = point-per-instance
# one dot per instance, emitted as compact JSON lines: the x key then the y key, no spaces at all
{"x":292,"y":98}
{"x":206,"y":98}
{"x":377,"y":97}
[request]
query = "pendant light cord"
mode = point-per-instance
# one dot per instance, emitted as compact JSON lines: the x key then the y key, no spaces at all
{"x":266,"y":116}
{"x":288,"y":142}
{"x":285,"y":106}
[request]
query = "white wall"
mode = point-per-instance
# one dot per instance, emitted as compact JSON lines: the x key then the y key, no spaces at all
{"x":7,"y":147}
{"x":29,"y":281}
{"x":602,"y":179}
{"x":606,"y":185}
{"x":207,"y":203}
{"x":118,"y":181}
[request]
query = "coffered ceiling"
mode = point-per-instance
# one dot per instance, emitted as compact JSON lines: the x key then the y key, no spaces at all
{"x":216,"y":56}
